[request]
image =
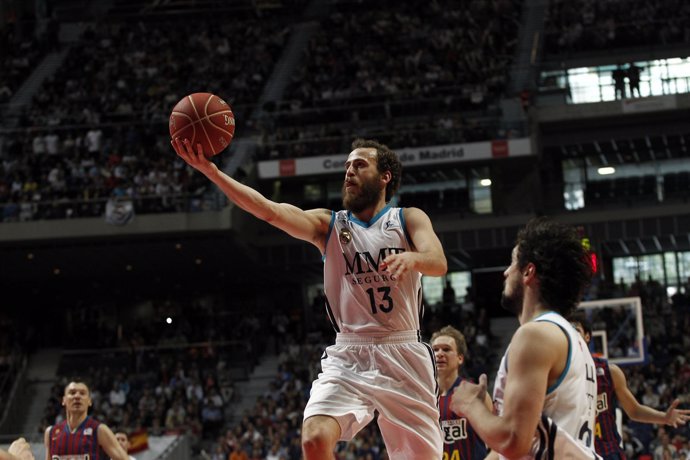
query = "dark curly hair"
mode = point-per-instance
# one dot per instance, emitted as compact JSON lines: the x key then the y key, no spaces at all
{"x":563,"y":267}
{"x":386,"y":160}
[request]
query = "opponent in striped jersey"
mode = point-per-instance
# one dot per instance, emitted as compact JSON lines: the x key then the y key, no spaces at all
{"x":460,"y":441}
{"x":547,"y":369}
{"x":612,"y":391}
{"x":79,"y":436}
{"x":607,"y":441}
{"x":374,"y":257}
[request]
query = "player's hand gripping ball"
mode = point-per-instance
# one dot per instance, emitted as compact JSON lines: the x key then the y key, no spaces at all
{"x":204,"y":119}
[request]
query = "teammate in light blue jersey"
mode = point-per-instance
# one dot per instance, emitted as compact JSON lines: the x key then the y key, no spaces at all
{"x":546,"y":382}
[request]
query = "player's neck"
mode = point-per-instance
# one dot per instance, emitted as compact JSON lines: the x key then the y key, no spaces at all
{"x":446,"y":380}
{"x":74,"y":419}
{"x":369,"y":213}
{"x":532,"y":314}
{"x":531,"y":306}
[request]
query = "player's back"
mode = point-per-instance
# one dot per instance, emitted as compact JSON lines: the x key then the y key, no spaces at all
{"x":81,"y":444}
{"x":571,"y":401}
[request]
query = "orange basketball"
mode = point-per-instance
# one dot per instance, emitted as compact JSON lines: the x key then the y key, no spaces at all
{"x":204,"y":119}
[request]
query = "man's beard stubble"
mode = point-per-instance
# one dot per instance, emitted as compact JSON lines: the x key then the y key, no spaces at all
{"x":513,"y":303}
{"x":369,"y":195}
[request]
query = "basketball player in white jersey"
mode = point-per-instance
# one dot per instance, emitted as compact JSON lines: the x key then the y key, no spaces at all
{"x":374,"y":257}
{"x":545,"y":390}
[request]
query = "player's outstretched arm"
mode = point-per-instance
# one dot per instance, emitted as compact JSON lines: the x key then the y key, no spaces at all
{"x":311,"y":226}
{"x":428,"y":257}
{"x":640,"y":412}
{"x":107,"y":441}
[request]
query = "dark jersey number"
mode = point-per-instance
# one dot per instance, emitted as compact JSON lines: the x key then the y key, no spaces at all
{"x":386,"y":304}
{"x":585,"y":434}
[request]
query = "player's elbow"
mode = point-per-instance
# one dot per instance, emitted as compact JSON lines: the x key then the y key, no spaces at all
{"x":441,"y":266}
{"x":515,"y":446}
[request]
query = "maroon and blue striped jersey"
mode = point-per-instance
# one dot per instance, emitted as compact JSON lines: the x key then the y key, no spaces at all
{"x":460,"y":441}
{"x":607,"y":440}
{"x":82,"y":444}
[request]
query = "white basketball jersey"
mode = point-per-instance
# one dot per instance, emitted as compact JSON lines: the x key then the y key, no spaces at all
{"x":362,"y":296}
{"x":571,"y":401}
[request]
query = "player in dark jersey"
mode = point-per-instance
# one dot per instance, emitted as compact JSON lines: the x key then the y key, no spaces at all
{"x":80,"y":436}
{"x":460,"y":441}
{"x":18,"y":450}
{"x":612,"y":390}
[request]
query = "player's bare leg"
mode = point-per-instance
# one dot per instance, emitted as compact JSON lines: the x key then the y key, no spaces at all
{"x":320,"y":434}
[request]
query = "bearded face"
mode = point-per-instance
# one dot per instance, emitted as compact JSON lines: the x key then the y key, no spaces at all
{"x":512,"y":296}
{"x":513,"y":291}
{"x":360,"y":194}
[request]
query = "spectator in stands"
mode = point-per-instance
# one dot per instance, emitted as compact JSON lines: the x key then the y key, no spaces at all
{"x":633,"y":74}
{"x":665,"y":450}
{"x":74,"y":436}
{"x":343,"y":402}
{"x":237,"y":453}
{"x":618,"y":76}
{"x":448,"y":295}
{"x":631,"y":445}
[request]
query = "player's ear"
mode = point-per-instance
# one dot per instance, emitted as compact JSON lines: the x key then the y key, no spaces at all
{"x":529,"y":271}
{"x":386,"y":176}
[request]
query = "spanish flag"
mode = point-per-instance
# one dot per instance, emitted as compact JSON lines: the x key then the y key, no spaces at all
{"x":138,"y":441}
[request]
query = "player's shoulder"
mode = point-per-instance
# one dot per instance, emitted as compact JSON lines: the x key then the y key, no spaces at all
{"x":321,"y":213}
{"x":414,"y":215}
{"x":544,"y":333}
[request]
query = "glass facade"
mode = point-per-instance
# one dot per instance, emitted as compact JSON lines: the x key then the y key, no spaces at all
{"x":671,"y":269}
{"x":596,"y":84}
{"x":432,"y":286}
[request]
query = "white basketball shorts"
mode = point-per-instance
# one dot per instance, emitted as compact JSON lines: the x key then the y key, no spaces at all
{"x":394,"y":375}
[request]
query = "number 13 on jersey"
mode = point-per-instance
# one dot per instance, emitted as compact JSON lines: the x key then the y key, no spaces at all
{"x":380,"y":299}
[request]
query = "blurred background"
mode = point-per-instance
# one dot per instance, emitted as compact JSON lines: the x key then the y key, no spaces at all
{"x":200,"y":327}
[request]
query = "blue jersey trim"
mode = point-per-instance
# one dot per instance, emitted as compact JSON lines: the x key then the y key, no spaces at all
{"x":328,"y":236}
{"x":404,"y":226}
{"x":553,"y":387}
{"x":373,"y":220}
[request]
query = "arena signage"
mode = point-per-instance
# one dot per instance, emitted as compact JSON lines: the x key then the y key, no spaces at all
{"x":419,"y":156}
